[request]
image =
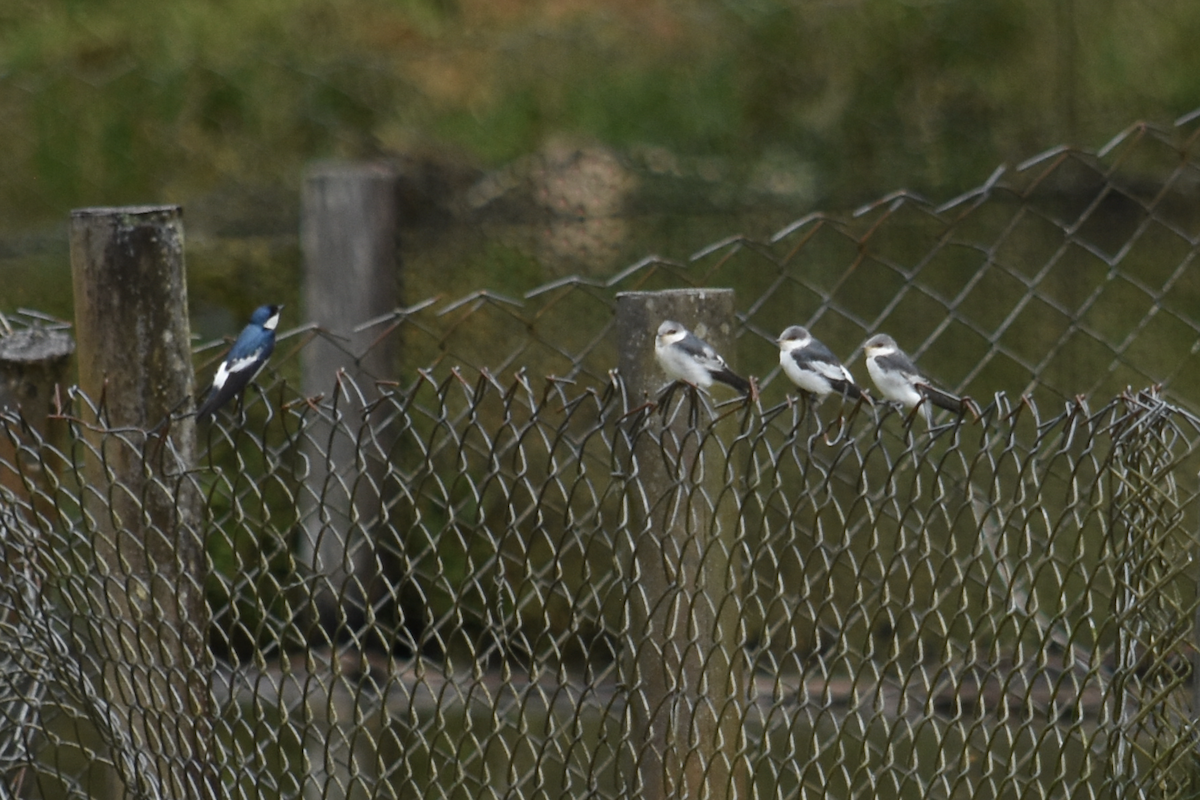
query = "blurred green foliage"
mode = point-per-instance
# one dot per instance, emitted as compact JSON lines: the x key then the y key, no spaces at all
{"x":130,"y":101}
{"x":736,"y":117}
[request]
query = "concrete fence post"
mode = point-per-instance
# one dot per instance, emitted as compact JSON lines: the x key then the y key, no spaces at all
{"x":348,"y":234}
{"x":682,"y":663}
{"x":147,"y":620}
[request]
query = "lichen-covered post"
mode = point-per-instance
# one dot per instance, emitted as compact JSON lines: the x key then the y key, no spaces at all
{"x":682,"y":663}
{"x":33,"y":364}
{"x":33,"y":361}
{"x":146,"y":631}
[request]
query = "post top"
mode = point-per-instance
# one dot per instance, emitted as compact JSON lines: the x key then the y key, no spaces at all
{"x":32,"y":345}
{"x":333,"y":168}
{"x":137,"y":211}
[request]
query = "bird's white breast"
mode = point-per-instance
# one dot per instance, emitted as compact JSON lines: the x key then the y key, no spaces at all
{"x":807,"y":377}
{"x":681,"y":366}
{"x":895,"y":386}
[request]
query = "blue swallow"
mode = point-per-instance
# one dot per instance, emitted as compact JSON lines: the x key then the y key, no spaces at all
{"x":246,"y":359}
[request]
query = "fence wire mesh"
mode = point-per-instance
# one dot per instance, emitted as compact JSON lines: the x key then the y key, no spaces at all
{"x":995,"y":608}
{"x":465,"y":581}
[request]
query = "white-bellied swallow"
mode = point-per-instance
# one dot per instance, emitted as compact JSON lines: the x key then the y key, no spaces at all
{"x":899,"y":380}
{"x":812,"y":366}
{"x":246,"y":359}
{"x":686,"y":357}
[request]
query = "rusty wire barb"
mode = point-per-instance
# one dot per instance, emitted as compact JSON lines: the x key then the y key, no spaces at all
{"x":531,"y":578}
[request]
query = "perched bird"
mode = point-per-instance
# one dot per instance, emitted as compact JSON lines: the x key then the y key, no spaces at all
{"x":899,"y":380}
{"x":686,"y":357}
{"x":812,"y":366}
{"x":246,"y":359}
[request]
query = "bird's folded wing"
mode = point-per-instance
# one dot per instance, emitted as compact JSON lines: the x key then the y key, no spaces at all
{"x":236,"y":366}
{"x":833,"y":370}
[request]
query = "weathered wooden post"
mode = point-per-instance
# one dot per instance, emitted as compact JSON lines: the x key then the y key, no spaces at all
{"x":348,"y":233}
{"x":682,"y":663}
{"x":147,"y":621}
{"x":33,"y":363}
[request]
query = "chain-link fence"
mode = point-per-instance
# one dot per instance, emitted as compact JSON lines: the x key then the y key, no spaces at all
{"x":527,"y":586}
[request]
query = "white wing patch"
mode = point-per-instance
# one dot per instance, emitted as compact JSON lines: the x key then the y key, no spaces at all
{"x":235,"y":367}
{"x":835,"y":372}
